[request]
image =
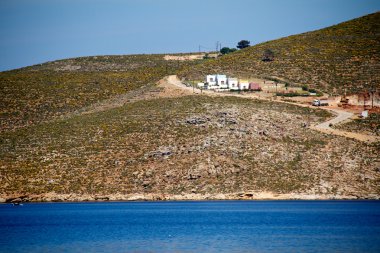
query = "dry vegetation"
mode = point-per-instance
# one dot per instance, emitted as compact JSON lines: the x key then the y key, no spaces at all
{"x":343,"y":56}
{"x":43,"y":92}
{"x":193,"y":144}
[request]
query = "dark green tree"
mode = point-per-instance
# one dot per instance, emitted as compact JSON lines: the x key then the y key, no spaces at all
{"x":227,"y":50}
{"x":243,"y":44}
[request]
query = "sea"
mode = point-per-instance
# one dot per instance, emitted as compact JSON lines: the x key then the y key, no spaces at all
{"x":192,"y":226}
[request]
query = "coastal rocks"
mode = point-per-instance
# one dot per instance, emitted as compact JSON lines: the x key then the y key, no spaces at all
{"x":101,"y":198}
{"x":17,"y":199}
{"x":246,"y":195}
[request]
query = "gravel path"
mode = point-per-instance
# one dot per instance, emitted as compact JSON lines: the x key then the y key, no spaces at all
{"x":342,"y":116}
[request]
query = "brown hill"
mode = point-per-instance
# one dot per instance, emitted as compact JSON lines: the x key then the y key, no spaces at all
{"x":343,"y":56}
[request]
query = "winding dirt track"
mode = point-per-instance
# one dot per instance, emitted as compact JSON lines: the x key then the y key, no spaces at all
{"x":172,"y":82}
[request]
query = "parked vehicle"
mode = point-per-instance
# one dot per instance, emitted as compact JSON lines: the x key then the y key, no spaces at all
{"x":318,"y":102}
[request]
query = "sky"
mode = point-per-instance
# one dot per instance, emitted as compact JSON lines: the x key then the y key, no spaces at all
{"x":36,"y":31}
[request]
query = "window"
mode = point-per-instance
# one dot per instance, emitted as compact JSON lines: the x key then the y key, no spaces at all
{"x":222,"y":82}
{"x":211,"y":79}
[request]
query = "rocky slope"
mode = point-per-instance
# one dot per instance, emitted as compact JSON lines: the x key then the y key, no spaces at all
{"x":189,"y":146}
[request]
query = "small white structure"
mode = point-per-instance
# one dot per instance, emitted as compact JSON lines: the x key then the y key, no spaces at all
{"x":211,"y":80}
{"x":243,"y":84}
{"x":364,"y":114}
{"x":201,"y":85}
{"x":217,"y":82}
{"x":233,"y":83}
{"x":222,"y":81}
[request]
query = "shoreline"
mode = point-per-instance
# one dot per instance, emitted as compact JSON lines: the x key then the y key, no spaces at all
{"x":53,"y":197}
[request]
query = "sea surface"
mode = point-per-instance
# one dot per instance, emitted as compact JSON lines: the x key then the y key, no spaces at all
{"x":192,"y":226}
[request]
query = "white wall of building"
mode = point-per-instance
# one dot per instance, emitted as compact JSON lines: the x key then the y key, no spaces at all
{"x":233,"y":84}
{"x":243,"y":84}
{"x":211,"y":80}
{"x":222,"y":81}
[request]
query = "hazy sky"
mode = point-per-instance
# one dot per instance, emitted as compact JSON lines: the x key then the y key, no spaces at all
{"x":36,"y":31}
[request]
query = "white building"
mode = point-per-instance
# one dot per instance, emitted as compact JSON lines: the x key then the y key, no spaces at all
{"x":243,"y":84}
{"x":217,"y":82}
{"x":222,"y":81}
{"x":233,"y":83}
{"x":211,"y":80}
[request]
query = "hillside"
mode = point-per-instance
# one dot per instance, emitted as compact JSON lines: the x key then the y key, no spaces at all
{"x":47,"y":91}
{"x":343,"y":56}
{"x":186,"y":145}
{"x":115,"y":128}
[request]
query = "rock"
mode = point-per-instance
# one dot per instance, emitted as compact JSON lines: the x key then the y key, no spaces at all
{"x":146,"y":183}
{"x":221,"y":114}
{"x":193,"y":176}
{"x":23,"y":198}
{"x":196,"y":120}
{"x":149,"y":173}
{"x":101,"y":198}
{"x":164,"y":152}
{"x":231,"y":121}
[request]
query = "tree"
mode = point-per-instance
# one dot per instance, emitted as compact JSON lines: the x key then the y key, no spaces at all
{"x":268,"y":55}
{"x":243,"y":44}
{"x":227,"y":50}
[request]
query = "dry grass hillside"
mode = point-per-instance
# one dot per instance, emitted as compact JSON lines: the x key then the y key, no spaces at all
{"x":191,"y":144}
{"x":342,"y":56}
{"x":46,"y":91}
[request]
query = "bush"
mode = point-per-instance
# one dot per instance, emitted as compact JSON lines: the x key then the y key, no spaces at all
{"x":291,"y":94}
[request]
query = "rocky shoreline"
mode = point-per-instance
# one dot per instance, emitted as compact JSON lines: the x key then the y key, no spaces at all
{"x":53,"y":197}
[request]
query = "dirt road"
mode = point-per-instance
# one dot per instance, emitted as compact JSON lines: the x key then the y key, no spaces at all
{"x":341,"y":116}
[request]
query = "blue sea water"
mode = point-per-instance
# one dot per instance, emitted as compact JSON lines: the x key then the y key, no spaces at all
{"x":206,"y":226}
